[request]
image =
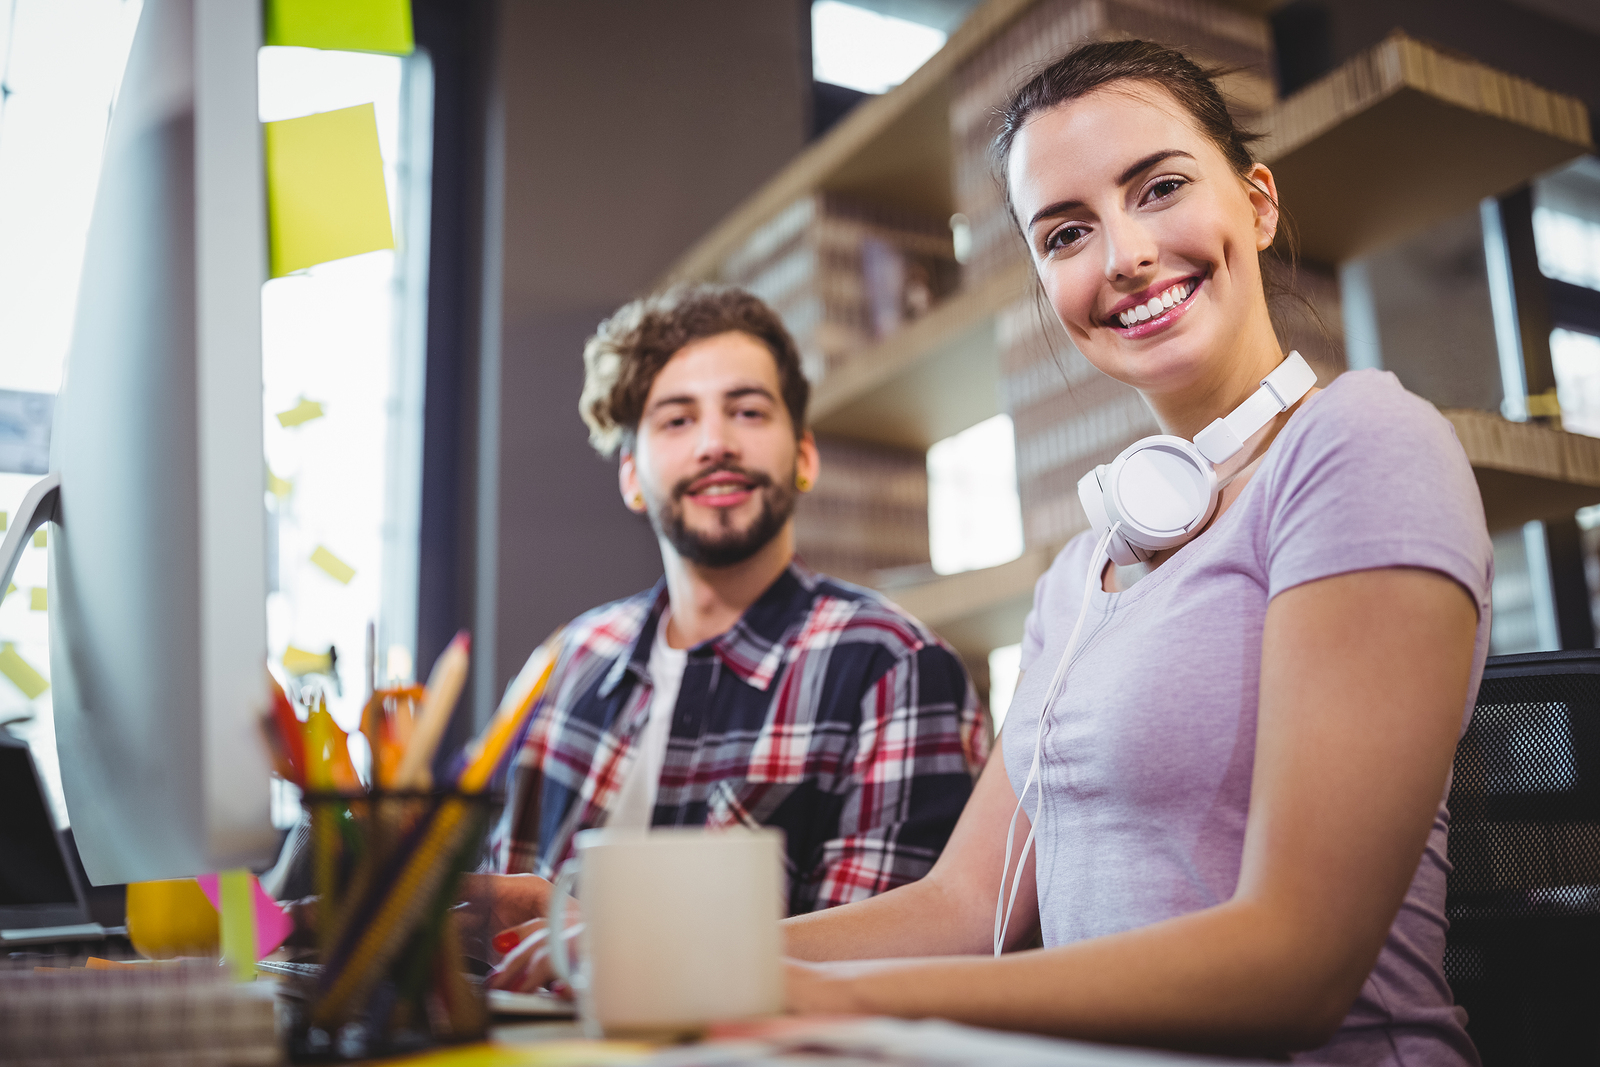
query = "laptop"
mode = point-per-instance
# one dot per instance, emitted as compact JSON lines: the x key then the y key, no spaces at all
{"x":42,"y":896}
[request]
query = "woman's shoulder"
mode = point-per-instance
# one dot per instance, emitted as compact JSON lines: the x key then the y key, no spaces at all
{"x":1366,"y":417}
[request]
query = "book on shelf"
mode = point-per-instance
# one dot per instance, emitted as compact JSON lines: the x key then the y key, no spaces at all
{"x":868,"y":511}
{"x":845,"y":274}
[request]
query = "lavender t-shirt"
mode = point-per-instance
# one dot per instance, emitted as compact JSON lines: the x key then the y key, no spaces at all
{"x":1148,"y":751}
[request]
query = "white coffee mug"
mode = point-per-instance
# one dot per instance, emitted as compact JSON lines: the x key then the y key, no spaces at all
{"x":680,"y":928}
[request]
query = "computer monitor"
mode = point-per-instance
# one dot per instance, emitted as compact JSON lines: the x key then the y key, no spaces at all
{"x":158,"y":571}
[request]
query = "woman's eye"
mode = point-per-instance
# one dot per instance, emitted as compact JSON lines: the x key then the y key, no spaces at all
{"x":1063,"y":237}
{"x":1165,"y":188}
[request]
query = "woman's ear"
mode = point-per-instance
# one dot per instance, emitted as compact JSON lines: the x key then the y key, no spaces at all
{"x":1262,"y":190}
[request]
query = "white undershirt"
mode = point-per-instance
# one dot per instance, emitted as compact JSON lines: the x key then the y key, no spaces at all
{"x":636,"y":801}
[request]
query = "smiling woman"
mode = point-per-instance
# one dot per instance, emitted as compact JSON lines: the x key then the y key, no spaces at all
{"x":1238,"y":815}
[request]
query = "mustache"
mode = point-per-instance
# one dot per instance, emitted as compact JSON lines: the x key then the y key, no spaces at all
{"x":757,"y":479}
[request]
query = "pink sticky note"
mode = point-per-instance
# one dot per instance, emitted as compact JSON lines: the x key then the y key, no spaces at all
{"x":273,"y":927}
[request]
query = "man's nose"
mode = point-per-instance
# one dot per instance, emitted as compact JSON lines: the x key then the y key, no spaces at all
{"x":716,"y":439}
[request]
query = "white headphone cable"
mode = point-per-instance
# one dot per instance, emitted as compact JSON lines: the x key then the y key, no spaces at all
{"x":1002,"y":919}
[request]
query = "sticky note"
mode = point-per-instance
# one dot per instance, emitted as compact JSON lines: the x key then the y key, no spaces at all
{"x":271,"y":926}
{"x":281,"y":487}
{"x":4,"y":518}
{"x":20,"y":672}
{"x":39,"y":598}
{"x":337,"y":569}
{"x":39,"y":538}
{"x":298,"y":661}
{"x":304,"y":411}
{"x":382,"y":26}
{"x":325,"y":195}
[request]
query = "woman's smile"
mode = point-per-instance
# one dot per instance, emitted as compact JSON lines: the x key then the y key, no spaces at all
{"x":1155,"y":309}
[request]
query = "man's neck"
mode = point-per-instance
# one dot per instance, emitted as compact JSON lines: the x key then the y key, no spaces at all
{"x":707,"y":601}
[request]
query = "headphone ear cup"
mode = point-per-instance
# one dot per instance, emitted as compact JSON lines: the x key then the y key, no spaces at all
{"x":1092,"y":495}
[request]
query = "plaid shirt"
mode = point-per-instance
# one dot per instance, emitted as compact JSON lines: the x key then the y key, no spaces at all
{"x":825,"y":712}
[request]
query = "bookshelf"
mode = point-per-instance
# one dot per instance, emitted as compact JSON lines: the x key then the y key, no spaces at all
{"x":1525,"y":470}
{"x":1406,"y":135}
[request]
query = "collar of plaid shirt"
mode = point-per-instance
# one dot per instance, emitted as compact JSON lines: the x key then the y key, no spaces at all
{"x":852,"y":729}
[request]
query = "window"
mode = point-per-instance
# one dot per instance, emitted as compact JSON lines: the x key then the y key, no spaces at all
{"x":60,"y":65}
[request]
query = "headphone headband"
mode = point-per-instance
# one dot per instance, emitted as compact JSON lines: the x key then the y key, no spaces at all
{"x":1159,"y":492}
{"x":1279,"y":391}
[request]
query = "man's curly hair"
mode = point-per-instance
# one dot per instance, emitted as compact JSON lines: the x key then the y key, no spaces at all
{"x":628,"y":350}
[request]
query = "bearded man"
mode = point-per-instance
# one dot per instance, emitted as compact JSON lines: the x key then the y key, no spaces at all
{"x":744,"y":688}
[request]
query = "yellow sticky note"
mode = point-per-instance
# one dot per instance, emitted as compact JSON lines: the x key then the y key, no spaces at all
{"x":304,"y":411}
{"x":39,"y":599}
{"x":382,"y":26}
{"x":279,"y":487}
{"x":298,"y":661}
{"x":4,"y":518}
{"x":238,"y":923}
{"x":325,"y":195}
{"x":21,"y":672}
{"x":337,"y":569}
{"x":38,"y":538}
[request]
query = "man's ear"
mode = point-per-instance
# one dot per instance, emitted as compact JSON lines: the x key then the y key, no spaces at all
{"x":808,"y":462}
{"x":1263,"y":193}
{"x":628,"y":482}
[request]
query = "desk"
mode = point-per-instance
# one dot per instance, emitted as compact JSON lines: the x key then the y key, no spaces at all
{"x":796,"y":1042}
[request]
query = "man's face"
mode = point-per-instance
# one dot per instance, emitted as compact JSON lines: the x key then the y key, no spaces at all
{"x":715,"y":458}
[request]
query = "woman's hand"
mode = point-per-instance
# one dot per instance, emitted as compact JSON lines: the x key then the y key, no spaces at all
{"x":527,"y":966}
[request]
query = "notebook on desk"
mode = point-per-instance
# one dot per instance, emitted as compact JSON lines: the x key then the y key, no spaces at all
{"x":41,"y":898}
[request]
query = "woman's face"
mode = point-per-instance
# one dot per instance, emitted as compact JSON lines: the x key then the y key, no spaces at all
{"x":1144,"y":238}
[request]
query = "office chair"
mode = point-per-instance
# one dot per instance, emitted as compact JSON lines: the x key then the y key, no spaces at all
{"x":1523,"y":952}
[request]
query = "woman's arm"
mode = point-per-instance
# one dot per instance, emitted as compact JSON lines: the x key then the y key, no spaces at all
{"x":1363,"y":682}
{"x":950,"y":911}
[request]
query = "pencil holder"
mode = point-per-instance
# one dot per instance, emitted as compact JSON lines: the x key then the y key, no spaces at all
{"x":391,"y":979}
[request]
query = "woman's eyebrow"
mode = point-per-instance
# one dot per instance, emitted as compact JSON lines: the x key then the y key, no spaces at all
{"x":1062,"y":206}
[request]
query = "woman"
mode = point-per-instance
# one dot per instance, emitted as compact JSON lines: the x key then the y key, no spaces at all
{"x":1241,"y":836}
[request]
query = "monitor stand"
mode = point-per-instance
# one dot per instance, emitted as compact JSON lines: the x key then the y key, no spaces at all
{"x":41,"y":505}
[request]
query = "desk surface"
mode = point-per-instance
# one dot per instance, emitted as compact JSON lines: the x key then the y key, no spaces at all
{"x":792,"y":1042}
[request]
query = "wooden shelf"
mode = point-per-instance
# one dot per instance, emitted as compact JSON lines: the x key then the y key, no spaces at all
{"x":1404,"y":136}
{"x":977,"y":611}
{"x":893,"y":148}
{"x":934,"y":378}
{"x":1525,"y":470}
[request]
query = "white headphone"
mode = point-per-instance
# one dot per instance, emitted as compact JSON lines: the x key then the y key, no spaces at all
{"x":1163,"y":489}
{"x":1157,"y":494}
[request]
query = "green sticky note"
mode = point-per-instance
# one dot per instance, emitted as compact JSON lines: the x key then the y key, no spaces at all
{"x":39,"y":538}
{"x":382,"y":26}
{"x":238,"y":915}
{"x":21,"y":672}
{"x":304,"y":411}
{"x":3,"y":519}
{"x":337,"y":569}
{"x":39,"y":598}
{"x":325,"y":194}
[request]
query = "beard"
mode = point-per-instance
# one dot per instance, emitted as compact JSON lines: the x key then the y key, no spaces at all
{"x":726,"y":544}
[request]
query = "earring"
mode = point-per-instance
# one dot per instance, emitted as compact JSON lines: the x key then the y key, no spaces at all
{"x":636,"y":501}
{"x":802,"y":483}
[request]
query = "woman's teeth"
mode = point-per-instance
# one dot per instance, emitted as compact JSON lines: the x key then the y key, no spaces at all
{"x":1157,"y":304}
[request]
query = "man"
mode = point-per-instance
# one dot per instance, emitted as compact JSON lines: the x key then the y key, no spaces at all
{"x":744,"y":688}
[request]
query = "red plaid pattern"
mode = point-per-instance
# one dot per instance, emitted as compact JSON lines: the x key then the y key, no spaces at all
{"x":825,"y":711}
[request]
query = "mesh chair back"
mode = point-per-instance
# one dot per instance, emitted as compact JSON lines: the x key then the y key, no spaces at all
{"x":1523,"y":953}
